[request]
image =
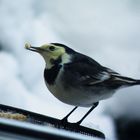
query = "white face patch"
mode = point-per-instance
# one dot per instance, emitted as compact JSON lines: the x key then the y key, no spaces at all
{"x":65,"y":58}
{"x":52,"y":54}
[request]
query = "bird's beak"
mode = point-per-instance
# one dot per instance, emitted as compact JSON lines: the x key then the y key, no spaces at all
{"x":35,"y":49}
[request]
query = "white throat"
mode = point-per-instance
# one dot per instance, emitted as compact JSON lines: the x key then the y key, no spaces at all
{"x":65,"y":58}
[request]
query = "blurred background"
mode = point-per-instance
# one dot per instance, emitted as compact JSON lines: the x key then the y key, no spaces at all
{"x":108,"y":31}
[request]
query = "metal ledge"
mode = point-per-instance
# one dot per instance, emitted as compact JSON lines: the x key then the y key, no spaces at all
{"x":43,"y":127}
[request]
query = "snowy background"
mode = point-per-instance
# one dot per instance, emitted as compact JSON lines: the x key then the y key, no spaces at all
{"x":108,"y":31}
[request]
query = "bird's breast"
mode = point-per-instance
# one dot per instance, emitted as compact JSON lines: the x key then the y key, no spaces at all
{"x":51,"y":74}
{"x":77,"y":96}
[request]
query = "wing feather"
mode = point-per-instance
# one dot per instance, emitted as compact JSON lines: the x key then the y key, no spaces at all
{"x":87,"y":71}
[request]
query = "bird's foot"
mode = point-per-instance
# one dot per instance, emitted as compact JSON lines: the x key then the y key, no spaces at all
{"x":64,"y":121}
{"x":78,"y":123}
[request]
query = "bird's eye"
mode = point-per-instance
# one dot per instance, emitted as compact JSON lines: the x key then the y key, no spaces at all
{"x":51,"y":48}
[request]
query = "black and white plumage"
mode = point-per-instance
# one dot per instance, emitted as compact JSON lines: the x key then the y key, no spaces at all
{"x":77,"y":79}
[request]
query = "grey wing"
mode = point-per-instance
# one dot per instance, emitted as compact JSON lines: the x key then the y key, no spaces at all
{"x":86,"y":74}
{"x":91,"y":80}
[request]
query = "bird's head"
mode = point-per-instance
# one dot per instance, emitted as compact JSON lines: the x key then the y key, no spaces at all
{"x":53,"y":53}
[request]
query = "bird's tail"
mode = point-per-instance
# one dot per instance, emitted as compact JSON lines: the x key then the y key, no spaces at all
{"x":126,"y":81}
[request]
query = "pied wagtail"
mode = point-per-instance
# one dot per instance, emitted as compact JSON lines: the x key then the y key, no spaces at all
{"x":77,"y":79}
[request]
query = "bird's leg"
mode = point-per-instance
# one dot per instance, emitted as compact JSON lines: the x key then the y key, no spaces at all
{"x":65,"y":119}
{"x":94,"y":106}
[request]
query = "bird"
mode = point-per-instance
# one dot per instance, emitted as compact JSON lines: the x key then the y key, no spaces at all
{"x":77,"y":79}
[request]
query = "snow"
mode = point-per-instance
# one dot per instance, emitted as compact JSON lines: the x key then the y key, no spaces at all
{"x":107,"y":31}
